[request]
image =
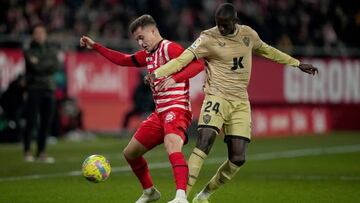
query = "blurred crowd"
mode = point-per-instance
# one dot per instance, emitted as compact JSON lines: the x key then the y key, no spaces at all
{"x":327,"y":24}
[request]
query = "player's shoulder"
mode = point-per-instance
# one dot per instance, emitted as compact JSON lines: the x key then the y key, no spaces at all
{"x":172,"y":44}
{"x":245,"y":30}
{"x":172,"y":49}
{"x":210,"y":32}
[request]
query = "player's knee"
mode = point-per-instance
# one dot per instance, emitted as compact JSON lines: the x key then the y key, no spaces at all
{"x":125,"y":153}
{"x":237,"y":160}
{"x":173,"y":143}
{"x":129,"y":154}
{"x":205,"y":139}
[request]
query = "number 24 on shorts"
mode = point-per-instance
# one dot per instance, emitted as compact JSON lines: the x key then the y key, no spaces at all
{"x":209,"y":106}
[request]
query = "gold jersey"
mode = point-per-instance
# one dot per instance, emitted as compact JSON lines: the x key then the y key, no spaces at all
{"x":228,"y":59}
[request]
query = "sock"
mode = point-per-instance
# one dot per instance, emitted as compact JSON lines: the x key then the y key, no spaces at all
{"x":196,"y":161}
{"x":223,"y":175}
{"x":180,"y":193}
{"x":180,"y":169}
{"x":140,"y":167}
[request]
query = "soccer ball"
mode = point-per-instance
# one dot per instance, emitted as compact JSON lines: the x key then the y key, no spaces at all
{"x":96,"y":168}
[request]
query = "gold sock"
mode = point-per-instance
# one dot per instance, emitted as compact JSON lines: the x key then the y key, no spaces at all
{"x":195,"y":163}
{"x":223,"y":175}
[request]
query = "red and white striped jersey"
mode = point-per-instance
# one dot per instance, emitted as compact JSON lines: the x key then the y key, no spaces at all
{"x":176,"y":96}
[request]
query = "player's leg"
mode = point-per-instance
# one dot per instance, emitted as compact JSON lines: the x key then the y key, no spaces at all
{"x":31,"y":113}
{"x":173,"y":144}
{"x":175,"y":123}
{"x":236,"y":158}
{"x":134,"y":151}
{"x":205,"y":140}
{"x":133,"y":154}
{"x":211,"y":120}
{"x":47,"y":109}
{"x":237,"y":130}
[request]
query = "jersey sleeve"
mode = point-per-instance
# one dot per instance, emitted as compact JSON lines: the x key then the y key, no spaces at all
{"x":174,"y":50}
{"x":175,"y":64}
{"x":267,"y":51}
{"x":200,"y":46}
{"x":194,"y":68}
{"x":137,"y":59}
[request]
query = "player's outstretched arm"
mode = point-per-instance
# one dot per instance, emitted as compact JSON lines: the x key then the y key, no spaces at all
{"x":175,"y":64}
{"x":194,"y":68}
{"x":116,"y":57}
{"x":283,"y":58}
{"x":171,"y":67}
{"x":276,"y":55}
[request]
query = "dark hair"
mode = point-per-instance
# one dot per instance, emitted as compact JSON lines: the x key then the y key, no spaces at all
{"x":142,"y":21}
{"x":36,"y":26}
{"x":226,"y":10}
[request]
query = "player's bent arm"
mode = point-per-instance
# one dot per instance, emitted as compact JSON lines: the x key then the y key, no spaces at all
{"x":116,"y":57}
{"x":276,"y":55}
{"x":191,"y":70}
{"x":175,"y":64}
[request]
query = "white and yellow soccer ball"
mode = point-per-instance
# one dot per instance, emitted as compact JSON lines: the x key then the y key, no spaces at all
{"x":96,"y":168}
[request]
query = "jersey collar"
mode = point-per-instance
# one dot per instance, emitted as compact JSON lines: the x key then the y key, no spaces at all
{"x":157,"y":46}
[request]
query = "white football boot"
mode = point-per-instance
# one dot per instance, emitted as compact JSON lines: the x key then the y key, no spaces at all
{"x":149,"y":196}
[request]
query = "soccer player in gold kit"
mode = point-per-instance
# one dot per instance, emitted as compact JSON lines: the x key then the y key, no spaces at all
{"x":227,"y":49}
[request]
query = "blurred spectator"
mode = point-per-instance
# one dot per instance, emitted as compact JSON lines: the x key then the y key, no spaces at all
{"x":12,"y":103}
{"x":41,"y":63}
{"x":303,"y":21}
{"x":70,"y":116}
{"x":143,"y":103}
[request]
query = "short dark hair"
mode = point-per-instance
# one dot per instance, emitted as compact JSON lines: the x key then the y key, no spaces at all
{"x":226,"y":10}
{"x":141,"y":21}
{"x":36,"y":26}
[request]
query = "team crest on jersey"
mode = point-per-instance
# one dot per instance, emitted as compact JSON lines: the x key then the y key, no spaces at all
{"x":207,"y":118}
{"x":196,"y":43}
{"x":169,"y":117}
{"x":246,"y":41}
{"x":161,"y":60}
{"x":222,"y":44}
{"x":148,"y":59}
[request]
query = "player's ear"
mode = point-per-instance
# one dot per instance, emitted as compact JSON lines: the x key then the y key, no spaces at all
{"x":235,"y":20}
{"x":154,"y":30}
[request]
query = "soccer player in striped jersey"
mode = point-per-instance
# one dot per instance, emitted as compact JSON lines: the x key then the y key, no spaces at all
{"x":227,"y":49}
{"x":172,"y":114}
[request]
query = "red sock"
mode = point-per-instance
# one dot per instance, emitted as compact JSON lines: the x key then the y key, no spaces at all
{"x":180,"y":169}
{"x":140,"y":167}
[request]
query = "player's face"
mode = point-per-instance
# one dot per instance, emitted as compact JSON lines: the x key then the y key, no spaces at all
{"x":39,"y":34}
{"x":146,"y":37}
{"x":225,"y":26}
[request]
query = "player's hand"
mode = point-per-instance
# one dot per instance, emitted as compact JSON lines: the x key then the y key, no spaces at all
{"x":149,"y":79}
{"x":33,"y":60}
{"x":87,"y":42}
{"x":308,"y":68}
{"x":165,"y":84}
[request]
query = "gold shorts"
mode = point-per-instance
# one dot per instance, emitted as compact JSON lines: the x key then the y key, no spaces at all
{"x":234,"y":117}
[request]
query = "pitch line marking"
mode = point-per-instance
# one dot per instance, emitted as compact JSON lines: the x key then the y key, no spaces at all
{"x":217,"y":160}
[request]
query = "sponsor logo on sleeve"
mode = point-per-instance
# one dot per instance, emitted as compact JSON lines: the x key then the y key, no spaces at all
{"x":196,"y":43}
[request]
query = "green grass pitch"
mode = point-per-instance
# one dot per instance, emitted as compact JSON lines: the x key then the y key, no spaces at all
{"x":313,"y":168}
